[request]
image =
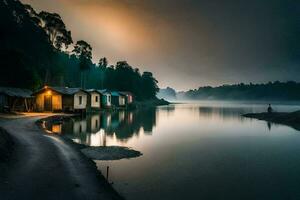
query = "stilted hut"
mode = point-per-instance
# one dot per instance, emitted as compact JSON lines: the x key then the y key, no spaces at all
{"x":15,"y":99}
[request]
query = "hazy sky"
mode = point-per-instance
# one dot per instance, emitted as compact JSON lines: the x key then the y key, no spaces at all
{"x":190,"y":43}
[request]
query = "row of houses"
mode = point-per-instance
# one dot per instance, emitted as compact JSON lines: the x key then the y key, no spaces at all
{"x":62,"y":99}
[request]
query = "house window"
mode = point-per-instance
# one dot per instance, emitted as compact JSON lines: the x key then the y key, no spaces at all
{"x":108,"y":97}
{"x":80,"y":100}
{"x":96,"y":99}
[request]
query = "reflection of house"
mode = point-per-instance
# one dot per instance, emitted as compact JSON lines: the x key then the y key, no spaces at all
{"x":121,"y":116}
{"x":94,"y":99}
{"x":60,"y":99}
{"x":105,"y":98}
{"x":96,"y":139}
{"x":118,"y":99}
{"x":105,"y":120}
{"x":15,"y":99}
{"x":79,"y":127}
{"x":95,"y":123}
{"x":56,"y":128}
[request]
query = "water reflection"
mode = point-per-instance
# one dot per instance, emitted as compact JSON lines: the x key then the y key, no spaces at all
{"x":120,"y":126}
{"x":209,"y":148}
{"x":93,"y":130}
{"x":269,"y":125}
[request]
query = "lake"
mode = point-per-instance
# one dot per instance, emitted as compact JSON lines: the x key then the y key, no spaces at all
{"x":203,"y":150}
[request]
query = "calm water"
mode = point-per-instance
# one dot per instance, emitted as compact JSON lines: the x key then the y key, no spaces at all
{"x":196,"y":151}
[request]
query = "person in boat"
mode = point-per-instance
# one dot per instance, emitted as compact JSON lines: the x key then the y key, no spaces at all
{"x":270,"y":109}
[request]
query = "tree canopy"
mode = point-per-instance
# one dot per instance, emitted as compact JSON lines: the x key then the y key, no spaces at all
{"x":35,"y":50}
{"x":56,"y":29}
{"x":265,"y":91}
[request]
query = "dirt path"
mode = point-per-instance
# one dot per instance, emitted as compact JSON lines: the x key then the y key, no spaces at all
{"x":45,"y":167}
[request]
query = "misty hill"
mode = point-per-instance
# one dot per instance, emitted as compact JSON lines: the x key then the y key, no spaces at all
{"x":269,"y":91}
{"x":167,"y":94}
{"x":37,"y":49}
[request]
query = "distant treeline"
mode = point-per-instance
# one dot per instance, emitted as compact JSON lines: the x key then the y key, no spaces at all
{"x":37,"y":49}
{"x":270,"y":91}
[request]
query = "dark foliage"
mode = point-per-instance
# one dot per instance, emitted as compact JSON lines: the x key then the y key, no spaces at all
{"x":270,"y":91}
{"x":167,"y":93}
{"x":32,"y":54}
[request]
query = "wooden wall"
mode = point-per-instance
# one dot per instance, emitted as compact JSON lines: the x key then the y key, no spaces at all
{"x":93,"y":102}
{"x":56,"y":101}
{"x":77,"y":105}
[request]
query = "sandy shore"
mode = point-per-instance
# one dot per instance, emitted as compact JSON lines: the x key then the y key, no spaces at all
{"x":46,"y":167}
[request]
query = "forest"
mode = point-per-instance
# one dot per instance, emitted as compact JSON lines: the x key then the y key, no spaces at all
{"x":277,"y":90}
{"x":37,"y":49}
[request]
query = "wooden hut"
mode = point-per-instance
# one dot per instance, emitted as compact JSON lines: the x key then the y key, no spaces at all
{"x":15,"y":99}
{"x":94,"y":99}
{"x":105,"y":98}
{"x":128,"y":97}
{"x":56,"y":99}
{"x":118,"y":99}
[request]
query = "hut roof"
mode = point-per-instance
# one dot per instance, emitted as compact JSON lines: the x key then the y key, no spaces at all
{"x":115,"y":93}
{"x":63,"y":90}
{"x":66,"y":90}
{"x":16,"y":92}
{"x":126,"y":93}
{"x":103,"y":91}
{"x":92,"y":90}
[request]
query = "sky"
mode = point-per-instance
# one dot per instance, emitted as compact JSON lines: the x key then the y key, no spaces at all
{"x":190,"y":43}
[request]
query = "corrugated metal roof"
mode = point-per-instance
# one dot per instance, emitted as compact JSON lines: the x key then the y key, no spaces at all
{"x":16,"y":92}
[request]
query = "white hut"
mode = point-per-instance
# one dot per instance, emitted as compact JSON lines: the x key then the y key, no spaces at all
{"x":94,"y":99}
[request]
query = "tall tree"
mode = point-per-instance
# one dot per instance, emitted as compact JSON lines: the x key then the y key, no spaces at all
{"x":102,"y":65}
{"x":54,"y":26}
{"x":83,"y":51}
{"x":149,"y":84}
{"x":103,"y":62}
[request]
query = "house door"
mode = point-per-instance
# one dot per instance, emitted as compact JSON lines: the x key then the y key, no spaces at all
{"x":48,"y":103}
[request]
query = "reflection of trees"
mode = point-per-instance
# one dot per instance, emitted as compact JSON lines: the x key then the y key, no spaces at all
{"x":128,"y":123}
{"x":223,"y":112}
{"x":169,"y":109}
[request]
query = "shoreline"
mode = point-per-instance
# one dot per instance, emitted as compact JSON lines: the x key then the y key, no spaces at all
{"x":291,"y":119}
{"x":151,"y":103}
{"x":85,"y":170}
